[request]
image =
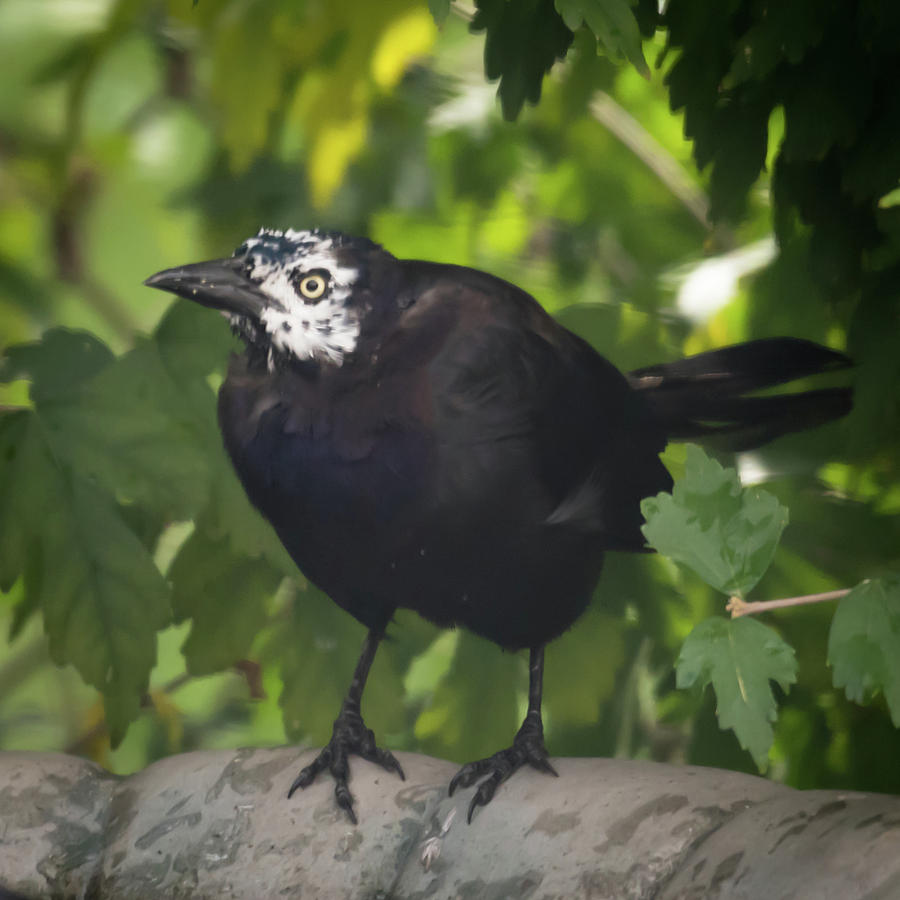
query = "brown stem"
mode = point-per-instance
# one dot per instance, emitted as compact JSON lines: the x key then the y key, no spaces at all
{"x":738,"y":607}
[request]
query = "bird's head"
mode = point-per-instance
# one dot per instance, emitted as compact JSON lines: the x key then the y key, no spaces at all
{"x":303,"y":295}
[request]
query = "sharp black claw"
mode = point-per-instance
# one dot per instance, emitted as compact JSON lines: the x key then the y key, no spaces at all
{"x":296,"y":783}
{"x":542,"y":764}
{"x":344,"y":800}
{"x":458,"y":780}
{"x":349,"y":736}
{"x":308,"y":773}
{"x":469,"y":774}
{"x":397,"y":768}
{"x":527,"y":749}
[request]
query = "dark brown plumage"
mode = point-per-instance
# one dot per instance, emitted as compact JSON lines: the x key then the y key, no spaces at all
{"x":425,"y":436}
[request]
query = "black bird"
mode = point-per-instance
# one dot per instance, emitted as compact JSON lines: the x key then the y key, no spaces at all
{"x":426,"y":436}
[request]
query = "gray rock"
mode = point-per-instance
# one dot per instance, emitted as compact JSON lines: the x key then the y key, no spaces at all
{"x":218,"y":824}
{"x":827,"y":845}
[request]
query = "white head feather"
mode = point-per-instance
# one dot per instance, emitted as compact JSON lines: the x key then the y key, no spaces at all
{"x":326,"y":328}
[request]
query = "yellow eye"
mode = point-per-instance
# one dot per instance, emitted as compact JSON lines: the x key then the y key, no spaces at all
{"x":312,"y":286}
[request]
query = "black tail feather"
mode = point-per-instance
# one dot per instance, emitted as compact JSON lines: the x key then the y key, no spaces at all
{"x":702,"y":397}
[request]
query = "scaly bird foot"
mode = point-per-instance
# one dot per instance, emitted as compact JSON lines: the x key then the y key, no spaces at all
{"x":349,"y":736}
{"x":527,"y":747}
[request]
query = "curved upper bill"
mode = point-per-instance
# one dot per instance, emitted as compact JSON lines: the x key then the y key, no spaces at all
{"x":217,"y":283}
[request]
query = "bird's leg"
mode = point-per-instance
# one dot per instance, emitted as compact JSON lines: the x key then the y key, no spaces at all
{"x":527,"y":747}
{"x":349,"y":736}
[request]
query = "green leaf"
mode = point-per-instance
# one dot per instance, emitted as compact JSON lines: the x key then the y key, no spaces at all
{"x":224,"y":594}
{"x":440,"y":9}
{"x":864,"y":643}
{"x":131,"y":430}
{"x":123,"y":423}
{"x":192,"y":341}
{"x":102,"y":597}
{"x":57,"y":364}
{"x":614,"y":25}
{"x":741,"y":140}
{"x":784,"y":32}
{"x":871,"y":169}
{"x":230,"y":513}
{"x":192,"y":344}
{"x":524,"y":39}
{"x":739,"y":657}
{"x":824,"y":105}
{"x":27,"y":498}
{"x":724,"y":533}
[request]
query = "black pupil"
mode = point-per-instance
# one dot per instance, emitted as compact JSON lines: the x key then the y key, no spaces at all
{"x":313,"y":284}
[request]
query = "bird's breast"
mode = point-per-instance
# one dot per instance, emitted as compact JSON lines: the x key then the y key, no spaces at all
{"x":329,"y":470}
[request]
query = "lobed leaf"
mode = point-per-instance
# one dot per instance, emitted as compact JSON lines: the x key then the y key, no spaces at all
{"x":120,"y":422}
{"x":739,"y":657}
{"x":102,"y":597}
{"x":57,"y":364}
{"x":130,"y":429}
{"x":224,"y":594}
{"x":27,"y":499}
{"x":709,"y":523}
{"x":523,"y":40}
{"x":864,"y":643}
{"x":192,"y":344}
{"x":614,"y":25}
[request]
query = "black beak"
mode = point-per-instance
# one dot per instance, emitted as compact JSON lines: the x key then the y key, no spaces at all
{"x":217,"y":283}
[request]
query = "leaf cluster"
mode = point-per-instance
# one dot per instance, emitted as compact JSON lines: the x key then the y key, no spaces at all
{"x":728,"y":535}
{"x":524,"y":40}
{"x":111,"y":451}
{"x":822,"y":77}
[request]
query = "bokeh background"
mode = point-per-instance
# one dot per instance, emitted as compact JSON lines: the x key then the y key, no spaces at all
{"x":137,"y":135}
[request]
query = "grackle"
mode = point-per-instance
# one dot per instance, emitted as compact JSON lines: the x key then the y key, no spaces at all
{"x":426,"y":436}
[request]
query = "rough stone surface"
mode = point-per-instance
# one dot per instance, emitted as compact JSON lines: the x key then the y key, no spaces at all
{"x":53,"y":811}
{"x":824,"y":844}
{"x":218,"y":824}
{"x":605,"y":828}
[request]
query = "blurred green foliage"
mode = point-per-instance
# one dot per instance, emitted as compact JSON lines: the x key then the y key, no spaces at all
{"x":139,"y":134}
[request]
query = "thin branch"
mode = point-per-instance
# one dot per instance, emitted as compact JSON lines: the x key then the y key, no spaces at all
{"x":738,"y":607}
{"x":652,"y":154}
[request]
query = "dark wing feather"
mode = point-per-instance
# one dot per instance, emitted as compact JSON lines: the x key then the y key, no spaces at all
{"x":531,"y":419}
